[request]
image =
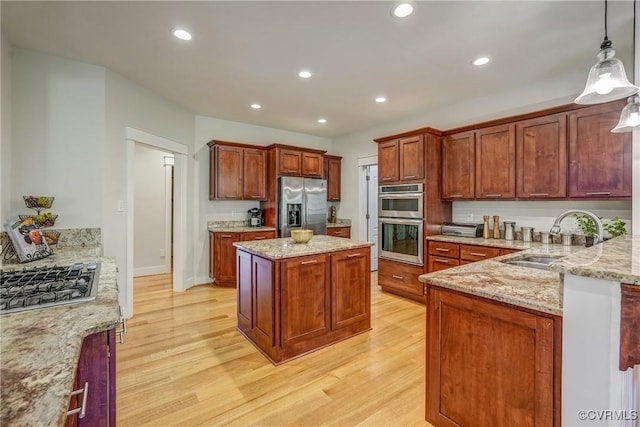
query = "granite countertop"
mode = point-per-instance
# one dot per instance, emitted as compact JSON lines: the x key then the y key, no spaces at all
{"x":240,"y":229}
{"x":39,"y":349}
{"x":275,"y":249}
{"x":480,"y":241}
{"x":617,"y":260}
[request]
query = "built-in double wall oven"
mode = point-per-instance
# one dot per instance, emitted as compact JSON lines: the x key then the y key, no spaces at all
{"x":400,"y":221}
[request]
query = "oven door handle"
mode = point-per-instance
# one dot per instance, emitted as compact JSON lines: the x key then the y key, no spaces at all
{"x":407,"y":221}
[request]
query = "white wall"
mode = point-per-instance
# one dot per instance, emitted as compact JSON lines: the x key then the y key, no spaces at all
{"x":150,"y":213}
{"x":58,"y":109}
{"x":5,"y":131}
{"x":544,"y":94}
{"x":208,"y":128}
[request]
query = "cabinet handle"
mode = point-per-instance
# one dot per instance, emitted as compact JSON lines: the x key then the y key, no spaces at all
{"x":259,"y":238}
{"x":441,"y":261}
{"x":256,"y":197}
{"x":291,"y":170}
{"x":477,"y":254}
{"x":313,"y":261}
{"x":121,"y":332}
{"x":453,"y":196}
{"x":538,"y":194}
{"x":387,"y":178}
{"x":442,"y":250}
{"x":398,"y":277}
{"x":599,"y":193}
{"x":226,"y":235}
{"x":82,"y":410}
{"x":408,"y":176}
{"x":353,"y":255}
{"x":493,"y":195}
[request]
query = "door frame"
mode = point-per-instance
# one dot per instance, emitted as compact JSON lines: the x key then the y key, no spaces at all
{"x":180,"y":153}
{"x":363,"y":186}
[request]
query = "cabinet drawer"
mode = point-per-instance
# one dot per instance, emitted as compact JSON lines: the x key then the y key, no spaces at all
{"x":399,"y":276}
{"x":477,"y":253}
{"x":339,"y":231}
{"x":258,"y":235}
{"x":443,"y":249}
{"x":437,"y":263}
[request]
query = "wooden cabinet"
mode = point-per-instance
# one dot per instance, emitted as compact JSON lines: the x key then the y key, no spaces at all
{"x":495,"y":165}
{"x":339,"y":232}
{"x":458,"y":166}
{"x":443,"y":255}
{"x":296,"y":305}
{"x":489,"y":364}
{"x":400,"y":279}
{"x":541,"y":157}
{"x":599,"y":161}
{"x":222,"y":254}
{"x":237,"y":171}
{"x":295,"y":161}
{"x":95,"y":377}
{"x":401,"y":160}
{"x":332,"y":173}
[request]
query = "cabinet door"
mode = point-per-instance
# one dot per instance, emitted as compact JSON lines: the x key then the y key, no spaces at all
{"x":254,"y":174}
{"x":228,"y":172}
{"x":245,"y":293}
{"x":495,"y":162}
{"x":350,"y":287}
{"x":211,"y":252}
{"x":541,"y":157}
{"x":224,"y":258}
{"x":312,"y":165}
{"x":388,"y":167}
{"x":305,"y":299}
{"x":332,"y":172}
{"x":411,"y":154}
{"x":599,"y":161}
{"x":339,"y":232}
{"x":290,"y":162}
{"x":487,"y":365}
{"x":458,"y":166}
{"x":264,"y":322}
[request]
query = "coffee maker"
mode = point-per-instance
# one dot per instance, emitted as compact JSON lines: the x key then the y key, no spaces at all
{"x":255,"y":217}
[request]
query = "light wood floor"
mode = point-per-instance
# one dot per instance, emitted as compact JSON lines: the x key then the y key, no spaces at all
{"x":184,"y":364}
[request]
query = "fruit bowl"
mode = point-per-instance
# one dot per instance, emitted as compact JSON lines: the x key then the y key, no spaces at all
{"x":41,"y":220}
{"x":301,"y":236}
{"x":51,"y":236}
{"x":38,"y":202}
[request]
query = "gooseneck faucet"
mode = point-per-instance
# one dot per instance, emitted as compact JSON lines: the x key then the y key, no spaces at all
{"x":599,"y":237}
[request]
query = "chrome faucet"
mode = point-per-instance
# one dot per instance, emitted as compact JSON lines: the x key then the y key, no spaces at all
{"x":599,"y":237}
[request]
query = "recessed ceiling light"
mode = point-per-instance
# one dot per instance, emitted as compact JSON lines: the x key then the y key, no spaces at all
{"x":381,"y":99}
{"x":402,"y":10}
{"x":322,"y":120}
{"x":483,"y":60}
{"x":304,"y":74}
{"x":182,"y":34}
{"x":256,"y":106}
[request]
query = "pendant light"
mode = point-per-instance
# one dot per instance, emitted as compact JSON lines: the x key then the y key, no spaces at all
{"x":607,"y":80}
{"x":630,"y":116}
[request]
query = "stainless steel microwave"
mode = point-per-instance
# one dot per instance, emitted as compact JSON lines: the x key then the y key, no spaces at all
{"x":401,"y":201}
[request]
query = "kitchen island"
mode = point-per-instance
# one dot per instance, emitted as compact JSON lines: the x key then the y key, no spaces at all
{"x":542,"y":344}
{"x":40,"y":349}
{"x":295,"y":298}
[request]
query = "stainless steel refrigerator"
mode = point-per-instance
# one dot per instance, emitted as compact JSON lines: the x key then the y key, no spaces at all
{"x":302,"y":204}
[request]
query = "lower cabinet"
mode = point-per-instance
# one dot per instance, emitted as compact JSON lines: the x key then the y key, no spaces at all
{"x":443,"y":255}
{"x":339,"y":232}
{"x":401,"y":279}
{"x":222,"y":254}
{"x":293,"y":306}
{"x":93,"y":400}
{"x":490,"y":364}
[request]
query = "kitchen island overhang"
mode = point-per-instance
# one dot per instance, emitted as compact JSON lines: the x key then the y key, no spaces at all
{"x":295,"y":298}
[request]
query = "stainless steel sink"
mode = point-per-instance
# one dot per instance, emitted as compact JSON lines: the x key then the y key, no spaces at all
{"x":541,"y":262}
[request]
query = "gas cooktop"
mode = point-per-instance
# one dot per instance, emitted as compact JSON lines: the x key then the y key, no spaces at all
{"x":49,"y":286}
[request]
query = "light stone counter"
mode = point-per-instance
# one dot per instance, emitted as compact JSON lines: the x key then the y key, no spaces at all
{"x":39,"y":349}
{"x":241,"y":229}
{"x":275,"y":249}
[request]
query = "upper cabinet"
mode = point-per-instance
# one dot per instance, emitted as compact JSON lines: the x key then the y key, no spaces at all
{"x":296,"y":161}
{"x":495,"y":166}
{"x":599,"y":161}
{"x":237,"y":171}
{"x":401,"y":160}
{"x":458,"y":166}
{"x":541,"y":157}
{"x":332,"y":173}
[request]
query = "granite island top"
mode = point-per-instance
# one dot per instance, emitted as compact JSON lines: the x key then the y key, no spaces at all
{"x":39,"y":349}
{"x":275,"y":249}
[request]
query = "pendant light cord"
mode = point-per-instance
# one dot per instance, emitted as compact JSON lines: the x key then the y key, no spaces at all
{"x":606,"y":43}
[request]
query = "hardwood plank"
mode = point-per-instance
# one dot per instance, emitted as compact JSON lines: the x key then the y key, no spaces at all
{"x":184,"y":364}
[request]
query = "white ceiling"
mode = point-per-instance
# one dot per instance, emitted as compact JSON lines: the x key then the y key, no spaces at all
{"x":244,"y":52}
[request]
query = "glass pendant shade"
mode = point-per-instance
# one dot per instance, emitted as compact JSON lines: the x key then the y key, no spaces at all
{"x":630,"y":116}
{"x":607,"y":80}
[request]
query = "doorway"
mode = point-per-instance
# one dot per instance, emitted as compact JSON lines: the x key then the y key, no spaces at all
{"x":369,"y":205}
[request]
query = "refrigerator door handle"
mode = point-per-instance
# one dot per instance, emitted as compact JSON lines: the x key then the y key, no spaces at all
{"x":305,"y":209}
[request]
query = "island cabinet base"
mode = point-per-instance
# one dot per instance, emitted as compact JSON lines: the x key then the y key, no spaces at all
{"x":293,"y":306}
{"x":490,"y":364}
